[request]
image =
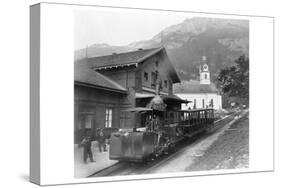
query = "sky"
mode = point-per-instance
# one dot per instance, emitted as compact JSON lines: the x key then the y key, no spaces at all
{"x":120,"y":27}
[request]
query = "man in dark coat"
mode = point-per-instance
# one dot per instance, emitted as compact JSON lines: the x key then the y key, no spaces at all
{"x":87,"y":144}
{"x":101,"y":141}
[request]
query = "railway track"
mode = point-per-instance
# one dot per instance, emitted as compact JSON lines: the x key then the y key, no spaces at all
{"x":130,"y":168}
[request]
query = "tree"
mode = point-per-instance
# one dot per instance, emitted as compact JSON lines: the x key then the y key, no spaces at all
{"x":234,"y":80}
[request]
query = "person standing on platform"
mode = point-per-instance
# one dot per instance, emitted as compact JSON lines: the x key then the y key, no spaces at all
{"x":101,"y":141}
{"x":87,"y":147}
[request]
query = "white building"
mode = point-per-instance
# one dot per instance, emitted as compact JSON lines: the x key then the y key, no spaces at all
{"x":203,"y":93}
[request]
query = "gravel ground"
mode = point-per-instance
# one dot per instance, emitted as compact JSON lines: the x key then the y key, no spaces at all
{"x":230,"y":151}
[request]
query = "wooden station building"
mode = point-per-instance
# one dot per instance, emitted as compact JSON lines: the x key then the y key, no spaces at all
{"x":105,"y":86}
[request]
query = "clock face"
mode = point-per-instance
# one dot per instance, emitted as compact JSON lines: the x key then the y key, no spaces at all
{"x":205,"y":67}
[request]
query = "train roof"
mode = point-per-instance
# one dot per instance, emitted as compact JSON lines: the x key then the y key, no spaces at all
{"x":143,"y":109}
{"x":194,"y":110}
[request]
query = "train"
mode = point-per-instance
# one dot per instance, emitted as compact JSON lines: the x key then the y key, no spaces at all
{"x":159,"y":133}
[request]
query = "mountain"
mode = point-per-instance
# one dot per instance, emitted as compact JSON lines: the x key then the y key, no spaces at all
{"x":221,"y":40}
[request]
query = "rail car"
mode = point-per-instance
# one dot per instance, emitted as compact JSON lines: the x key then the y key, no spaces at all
{"x":160,"y":131}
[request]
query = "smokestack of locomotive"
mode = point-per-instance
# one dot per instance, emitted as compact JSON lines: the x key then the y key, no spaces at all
{"x":157,"y":102}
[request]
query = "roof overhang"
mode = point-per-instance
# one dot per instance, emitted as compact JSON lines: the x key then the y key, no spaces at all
{"x":115,"y":66}
{"x":133,"y":63}
{"x":138,"y":109}
{"x":100,"y":87}
{"x":144,"y":95}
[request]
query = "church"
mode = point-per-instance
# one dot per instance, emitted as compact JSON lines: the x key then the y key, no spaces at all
{"x":203,"y":93}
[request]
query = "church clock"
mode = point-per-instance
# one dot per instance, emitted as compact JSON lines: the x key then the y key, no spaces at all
{"x":205,"y":67}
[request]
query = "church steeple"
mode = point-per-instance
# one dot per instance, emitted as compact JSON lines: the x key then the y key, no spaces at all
{"x":204,"y":71}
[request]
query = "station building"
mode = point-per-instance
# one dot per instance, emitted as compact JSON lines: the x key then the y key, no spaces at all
{"x":105,"y":86}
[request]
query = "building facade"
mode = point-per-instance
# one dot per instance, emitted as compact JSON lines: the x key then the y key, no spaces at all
{"x":202,"y":93}
{"x":97,"y":102}
{"x":106,"y":86}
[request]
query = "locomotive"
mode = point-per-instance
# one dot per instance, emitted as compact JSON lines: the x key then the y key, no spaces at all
{"x":160,"y":131}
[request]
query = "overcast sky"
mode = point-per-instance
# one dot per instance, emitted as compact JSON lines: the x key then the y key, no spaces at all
{"x":120,"y":26}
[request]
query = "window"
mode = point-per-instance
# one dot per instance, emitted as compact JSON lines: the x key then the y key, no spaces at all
{"x":85,"y":121}
{"x":88,"y":122}
{"x":206,"y":76}
{"x":203,"y":103}
{"x":156,"y":64}
{"x":161,"y":85}
{"x":153,"y":79}
{"x":165,"y":83}
{"x":194,"y":104}
{"x":108,"y":117}
{"x":145,"y":75}
{"x":86,"y":118}
{"x":212,"y":103}
{"x":124,"y":118}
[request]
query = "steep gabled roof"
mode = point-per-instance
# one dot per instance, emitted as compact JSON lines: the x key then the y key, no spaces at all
{"x":83,"y":75}
{"x":122,"y":59}
{"x":128,"y":59}
{"x":194,"y":86}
